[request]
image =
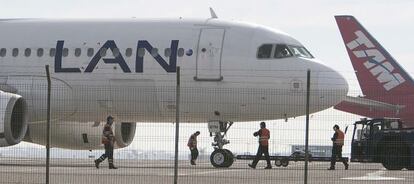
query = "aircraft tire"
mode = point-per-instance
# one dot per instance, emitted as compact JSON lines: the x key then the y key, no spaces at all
{"x":229,"y":158}
{"x":218,"y":158}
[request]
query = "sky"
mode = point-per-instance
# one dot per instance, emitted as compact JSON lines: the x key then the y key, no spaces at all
{"x":311,"y":22}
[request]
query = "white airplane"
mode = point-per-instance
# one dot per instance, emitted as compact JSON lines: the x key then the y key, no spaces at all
{"x":230,"y":72}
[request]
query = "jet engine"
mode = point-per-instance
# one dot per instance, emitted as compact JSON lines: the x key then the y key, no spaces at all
{"x":79,"y":135}
{"x":13,"y":119}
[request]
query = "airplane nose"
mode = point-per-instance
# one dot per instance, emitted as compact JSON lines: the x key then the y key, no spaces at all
{"x":332,"y":86}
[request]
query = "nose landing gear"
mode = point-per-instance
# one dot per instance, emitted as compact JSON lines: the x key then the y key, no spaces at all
{"x":220,"y":157}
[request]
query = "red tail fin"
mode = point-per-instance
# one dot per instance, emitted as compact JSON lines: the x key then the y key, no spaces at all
{"x":378,"y":73}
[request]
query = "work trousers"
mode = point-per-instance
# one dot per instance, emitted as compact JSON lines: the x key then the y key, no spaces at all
{"x":262,"y":150}
{"x":109,"y":152}
{"x":194,"y":153}
{"x":337,"y":153}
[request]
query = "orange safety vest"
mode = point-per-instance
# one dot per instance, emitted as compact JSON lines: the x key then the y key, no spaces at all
{"x":264,"y":137}
{"x":340,"y":139}
{"x":107,"y":135}
{"x":192,"y":142}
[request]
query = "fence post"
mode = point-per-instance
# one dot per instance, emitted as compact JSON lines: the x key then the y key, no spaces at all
{"x":307,"y":126}
{"x":177,"y":125}
{"x":48,"y":124}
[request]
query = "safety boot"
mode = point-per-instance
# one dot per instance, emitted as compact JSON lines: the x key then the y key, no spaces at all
{"x":111,"y":164}
{"x":251,"y":166}
{"x":98,"y":161}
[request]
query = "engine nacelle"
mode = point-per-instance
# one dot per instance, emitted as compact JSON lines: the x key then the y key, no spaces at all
{"x":13,"y":119}
{"x":79,"y":136}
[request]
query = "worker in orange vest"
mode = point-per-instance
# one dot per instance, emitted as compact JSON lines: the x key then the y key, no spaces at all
{"x":192,"y":144}
{"x":338,"y":142}
{"x":264,"y":136}
{"x":108,"y":139}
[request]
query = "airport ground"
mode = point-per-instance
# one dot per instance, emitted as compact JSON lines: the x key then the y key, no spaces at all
{"x":82,"y":171}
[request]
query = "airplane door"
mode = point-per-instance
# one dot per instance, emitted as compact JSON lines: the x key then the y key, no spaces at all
{"x":209,"y":52}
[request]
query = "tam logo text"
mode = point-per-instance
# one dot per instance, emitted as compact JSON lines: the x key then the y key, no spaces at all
{"x":377,"y":63}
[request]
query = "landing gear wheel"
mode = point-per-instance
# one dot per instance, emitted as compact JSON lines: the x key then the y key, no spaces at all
{"x":217,"y":158}
{"x":221,"y":158}
{"x":229,"y":158}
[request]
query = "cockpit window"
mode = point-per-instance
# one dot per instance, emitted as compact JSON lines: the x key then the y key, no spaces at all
{"x":299,"y":51}
{"x":282,"y":51}
{"x":269,"y":51}
{"x":264,"y":51}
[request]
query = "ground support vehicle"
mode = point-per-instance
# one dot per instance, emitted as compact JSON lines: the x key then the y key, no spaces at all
{"x":383,"y":140}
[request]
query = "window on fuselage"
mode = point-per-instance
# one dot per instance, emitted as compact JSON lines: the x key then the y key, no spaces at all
{"x":128,"y":52}
{"x":90,"y":52}
{"x":3,"y":52}
{"x":141,"y":52}
{"x":15,"y":52}
{"x":27,"y":52}
{"x":39,"y":52}
{"x":167,"y":52}
{"x":282,"y":51}
{"x":52,"y":52}
{"x":115,"y":52}
{"x":65,"y":52}
{"x":180,"y":52}
{"x":154,"y":52}
{"x":78,"y":52}
{"x":300,"y":51}
{"x":103,"y":52}
{"x":264,"y":51}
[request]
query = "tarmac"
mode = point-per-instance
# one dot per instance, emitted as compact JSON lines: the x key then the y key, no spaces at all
{"x":83,"y":171}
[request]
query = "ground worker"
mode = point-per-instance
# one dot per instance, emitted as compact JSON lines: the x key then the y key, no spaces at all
{"x":338,"y":142}
{"x":108,"y":140}
{"x":192,"y":144}
{"x":264,"y":136}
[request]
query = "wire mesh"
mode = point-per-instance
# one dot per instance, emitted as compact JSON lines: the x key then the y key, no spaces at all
{"x":144,"y":112}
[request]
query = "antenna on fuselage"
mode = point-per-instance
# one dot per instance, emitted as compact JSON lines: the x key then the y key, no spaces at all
{"x":213,"y":14}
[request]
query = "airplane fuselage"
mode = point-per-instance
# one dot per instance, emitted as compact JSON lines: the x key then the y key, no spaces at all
{"x":127,"y":68}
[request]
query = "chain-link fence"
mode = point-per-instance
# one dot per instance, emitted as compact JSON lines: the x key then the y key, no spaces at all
{"x":144,"y":131}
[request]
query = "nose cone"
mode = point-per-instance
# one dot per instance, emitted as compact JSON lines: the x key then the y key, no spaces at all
{"x":332,"y":86}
